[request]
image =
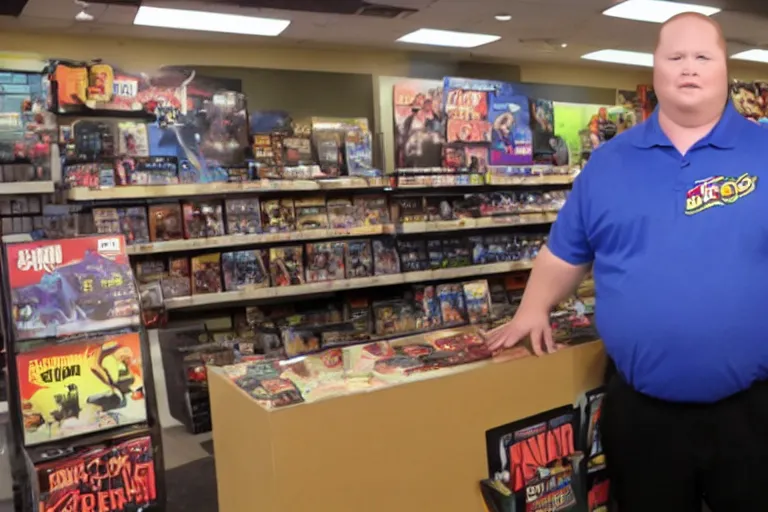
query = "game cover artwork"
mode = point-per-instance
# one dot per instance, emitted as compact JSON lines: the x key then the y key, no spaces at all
{"x":77,"y":388}
{"x":71,"y":286}
{"x":419,"y":123}
{"x":532,"y":461}
{"x":512,"y":138}
{"x":116,"y":478}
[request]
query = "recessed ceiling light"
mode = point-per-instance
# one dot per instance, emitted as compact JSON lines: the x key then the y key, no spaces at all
{"x":503,"y":17}
{"x":753,"y":55}
{"x":563,"y":45}
{"x":209,"y":21}
{"x":448,"y":38}
{"x":621,"y":57}
{"x":655,"y":11}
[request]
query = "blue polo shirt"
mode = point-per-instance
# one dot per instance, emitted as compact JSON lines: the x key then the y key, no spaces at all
{"x":679,"y":245}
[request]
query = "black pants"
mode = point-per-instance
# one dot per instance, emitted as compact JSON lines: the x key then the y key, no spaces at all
{"x":669,"y":457}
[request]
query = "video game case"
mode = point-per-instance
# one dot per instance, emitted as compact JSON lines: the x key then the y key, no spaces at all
{"x":278,"y":215}
{"x":206,"y":273}
{"x":311,"y":213}
{"x":244,"y":270}
{"x":385,"y":257}
{"x":243,"y":216}
{"x":203,"y":219}
{"x":286,"y":265}
{"x":165,"y":222}
{"x":359,"y":259}
{"x":325,"y":261}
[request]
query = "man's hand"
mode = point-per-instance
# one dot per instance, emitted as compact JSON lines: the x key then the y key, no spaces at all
{"x":525,"y":323}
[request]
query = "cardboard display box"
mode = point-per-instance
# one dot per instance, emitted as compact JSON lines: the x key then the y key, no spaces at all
{"x":410,"y":448}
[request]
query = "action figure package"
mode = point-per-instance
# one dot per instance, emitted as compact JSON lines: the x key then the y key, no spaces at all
{"x":457,"y":252}
{"x":357,"y":311}
{"x":132,"y":139}
{"x":286,"y":265}
{"x":206,"y":273}
{"x":385,"y":258}
{"x":452,"y":306}
{"x":134,"y":224}
{"x":411,"y":209}
{"x":325,"y":261}
{"x":203,"y":219}
{"x":71,"y":286}
{"x":538,"y":479}
{"x":373,"y":210}
{"x":311,"y":213}
{"x":429,"y":307}
{"x":439,"y":208}
{"x":165,"y":223}
{"x":477,"y":298}
{"x":395,"y":317}
{"x":106,"y":221}
{"x":153,"y":170}
{"x":359,"y":259}
{"x":151,"y":269}
{"x":413,"y":255}
{"x":342,"y":214}
{"x":435,"y":254}
{"x":328,"y":150}
{"x":78,"y":388}
{"x":279,"y":215}
{"x":244,"y":270}
{"x":297,"y":151}
{"x":358,"y":152}
{"x":243,"y":216}
{"x":178,"y":282}
{"x":298,"y":341}
{"x":119,"y":475}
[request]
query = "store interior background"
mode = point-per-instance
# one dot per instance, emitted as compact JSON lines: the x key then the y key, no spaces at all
{"x":345,"y":66}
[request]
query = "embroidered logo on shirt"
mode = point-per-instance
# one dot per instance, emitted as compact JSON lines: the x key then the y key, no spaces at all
{"x":718,"y":191}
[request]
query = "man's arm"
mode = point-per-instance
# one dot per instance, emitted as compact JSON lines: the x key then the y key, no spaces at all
{"x":552,"y":280}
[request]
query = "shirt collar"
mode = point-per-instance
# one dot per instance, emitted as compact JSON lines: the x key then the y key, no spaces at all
{"x":724,"y":135}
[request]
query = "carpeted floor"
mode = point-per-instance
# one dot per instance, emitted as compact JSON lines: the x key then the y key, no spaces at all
{"x":192,"y":486}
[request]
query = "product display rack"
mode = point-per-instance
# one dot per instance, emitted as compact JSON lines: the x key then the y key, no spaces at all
{"x":138,"y":445}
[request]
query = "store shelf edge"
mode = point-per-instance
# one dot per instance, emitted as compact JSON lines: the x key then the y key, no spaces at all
{"x":26,"y":187}
{"x":276,"y":292}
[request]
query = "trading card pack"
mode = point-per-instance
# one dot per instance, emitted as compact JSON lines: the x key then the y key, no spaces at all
{"x":286,"y":265}
{"x":325,"y":261}
{"x":165,"y":223}
{"x":244,"y":270}
{"x":311,"y":213}
{"x":413,"y":255}
{"x":279,"y":215}
{"x":385,"y":258}
{"x":372,"y":210}
{"x":359,"y":259}
{"x":77,"y":388}
{"x":71,"y":286}
{"x":342,"y":214}
{"x":477,"y":298}
{"x":203,"y":219}
{"x":206,"y":273}
{"x":118,"y":476}
{"x":243,"y":216}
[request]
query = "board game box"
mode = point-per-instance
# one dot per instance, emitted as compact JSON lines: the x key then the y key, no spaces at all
{"x":71,"y":286}
{"x":78,"y":388}
{"x":119,"y":476}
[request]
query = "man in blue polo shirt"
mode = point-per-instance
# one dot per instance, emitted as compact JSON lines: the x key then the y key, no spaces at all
{"x":673,"y":218}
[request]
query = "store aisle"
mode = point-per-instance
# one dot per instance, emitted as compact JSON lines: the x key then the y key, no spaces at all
{"x":190,"y":477}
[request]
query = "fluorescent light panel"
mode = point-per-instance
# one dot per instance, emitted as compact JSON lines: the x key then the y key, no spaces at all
{"x":753,"y":55}
{"x":448,"y":38}
{"x":655,"y":11}
{"x":621,"y":57}
{"x":209,"y":21}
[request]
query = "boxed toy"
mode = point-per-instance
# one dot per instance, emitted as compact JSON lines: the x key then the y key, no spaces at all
{"x":311,"y":213}
{"x":325,"y":261}
{"x":206,"y":273}
{"x":244,"y":270}
{"x":286,"y":265}
{"x":243,"y":216}
{"x":359,"y":259}
{"x":165,"y":223}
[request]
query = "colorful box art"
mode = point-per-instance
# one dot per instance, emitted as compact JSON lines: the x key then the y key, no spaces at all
{"x":71,"y":286}
{"x":78,"y":388}
{"x":119,"y":477}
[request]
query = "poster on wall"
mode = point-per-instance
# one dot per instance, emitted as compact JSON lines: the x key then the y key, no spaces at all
{"x":751,"y":100}
{"x":533,"y":463}
{"x":26,"y":128}
{"x":78,"y":388}
{"x":419,"y":123}
{"x":583,"y":127}
{"x":543,"y":127}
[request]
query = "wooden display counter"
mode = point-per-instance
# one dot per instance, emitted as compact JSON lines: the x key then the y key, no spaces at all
{"x":415,"y":447}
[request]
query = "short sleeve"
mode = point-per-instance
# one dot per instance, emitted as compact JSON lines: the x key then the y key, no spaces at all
{"x":568,"y":238}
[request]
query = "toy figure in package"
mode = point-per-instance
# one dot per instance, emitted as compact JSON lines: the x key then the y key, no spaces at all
{"x":429,"y":307}
{"x":385,"y":258}
{"x":413,"y":255}
{"x":358,"y":150}
{"x":328,"y":149}
{"x":297,"y":151}
{"x":286,"y":265}
{"x":359,"y":259}
{"x":341,"y":214}
{"x":457,"y":252}
{"x":299,"y":341}
{"x":373,"y":210}
{"x":134,"y":225}
{"x":77,"y":388}
{"x":70,"y":286}
{"x":535,"y":461}
{"x":279,"y":215}
{"x":119,"y":476}
{"x":165,"y":223}
{"x":106,"y":221}
{"x":477,"y":297}
{"x":325,"y":261}
{"x":133,"y":139}
{"x":395,"y":316}
{"x":244,"y":270}
{"x":452,"y":306}
{"x":243,"y":216}
{"x":206,"y":273}
{"x":178,"y":281}
{"x":203,"y":219}
{"x":311,"y":213}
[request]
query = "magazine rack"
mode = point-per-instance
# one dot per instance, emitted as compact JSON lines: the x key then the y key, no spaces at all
{"x":96,"y":385}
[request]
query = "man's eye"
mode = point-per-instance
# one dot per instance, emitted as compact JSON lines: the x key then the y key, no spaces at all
{"x":675,"y":57}
{"x":702,"y":57}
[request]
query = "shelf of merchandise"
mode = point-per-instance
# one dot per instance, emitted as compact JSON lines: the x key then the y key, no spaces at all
{"x":214,"y":189}
{"x":530,"y":181}
{"x":524,"y":219}
{"x":282,"y":292}
{"x":26,"y":188}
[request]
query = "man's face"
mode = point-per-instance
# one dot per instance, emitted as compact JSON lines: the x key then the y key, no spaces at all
{"x":690,"y":69}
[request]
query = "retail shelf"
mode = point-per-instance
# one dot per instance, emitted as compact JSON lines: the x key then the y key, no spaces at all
{"x":26,"y":187}
{"x":524,"y":219}
{"x":257,"y":239}
{"x":531,"y":181}
{"x":282,"y":292}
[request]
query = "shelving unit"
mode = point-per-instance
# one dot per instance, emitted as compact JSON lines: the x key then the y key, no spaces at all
{"x":27,"y":188}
